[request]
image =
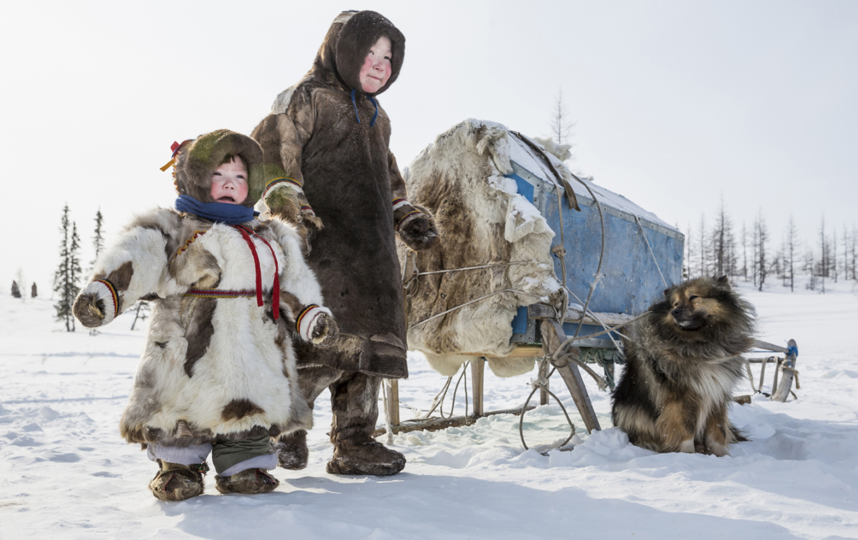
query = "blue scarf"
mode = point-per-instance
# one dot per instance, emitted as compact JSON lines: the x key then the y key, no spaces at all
{"x":231,"y":214}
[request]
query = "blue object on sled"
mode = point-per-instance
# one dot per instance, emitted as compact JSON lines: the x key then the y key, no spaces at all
{"x":632,"y":270}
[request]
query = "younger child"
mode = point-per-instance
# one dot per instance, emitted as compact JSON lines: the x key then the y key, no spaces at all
{"x":218,"y":373}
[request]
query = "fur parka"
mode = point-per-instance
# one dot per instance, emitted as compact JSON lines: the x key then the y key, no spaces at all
{"x":215,"y":362}
{"x":327,"y":158}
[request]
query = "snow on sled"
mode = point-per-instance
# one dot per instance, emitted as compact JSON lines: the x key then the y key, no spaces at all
{"x":516,"y":226}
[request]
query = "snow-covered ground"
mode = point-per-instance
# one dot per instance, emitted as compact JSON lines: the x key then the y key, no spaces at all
{"x":67,"y":474}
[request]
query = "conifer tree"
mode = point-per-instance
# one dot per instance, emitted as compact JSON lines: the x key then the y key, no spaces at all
{"x":761,"y":236}
{"x":790,"y":246}
{"x":97,"y":237}
{"x":67,"y":275}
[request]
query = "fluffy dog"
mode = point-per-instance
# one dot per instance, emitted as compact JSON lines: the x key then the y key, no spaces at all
{"x":682,"y":361}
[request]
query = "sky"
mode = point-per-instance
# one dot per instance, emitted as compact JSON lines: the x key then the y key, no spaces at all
{"x":676,"y":105}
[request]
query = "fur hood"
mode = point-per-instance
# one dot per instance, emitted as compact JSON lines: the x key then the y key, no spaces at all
{"x":347,"y":43}
{"x":197,"y":159}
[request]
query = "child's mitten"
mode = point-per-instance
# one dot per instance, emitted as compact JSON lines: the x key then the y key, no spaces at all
{"x":286,"y":201}
{"x":317,"y":325}
{"x":418,"y":230}
{"x":96,"y":305}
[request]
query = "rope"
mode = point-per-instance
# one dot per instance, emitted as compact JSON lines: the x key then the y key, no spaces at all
{"x":601,"y":323}
{"x":455,"y":389}
{"x":542,"y":384}
{"x":569,"y":358}
{"x":598,"y":276}
{"x":559,"y":352}
{"x":650,"y":251}
{"x":460,"y":306}
{"x":492,"y":265}
{"x":436,"y":401}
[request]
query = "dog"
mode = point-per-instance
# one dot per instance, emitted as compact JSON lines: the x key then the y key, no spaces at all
{"x":682,"y":361}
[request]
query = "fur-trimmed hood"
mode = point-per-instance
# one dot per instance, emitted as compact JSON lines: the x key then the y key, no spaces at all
{"x":347,"y":43}
{"x":197,"y":159}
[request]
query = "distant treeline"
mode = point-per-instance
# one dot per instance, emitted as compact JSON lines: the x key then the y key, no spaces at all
{"x":753,"y":254}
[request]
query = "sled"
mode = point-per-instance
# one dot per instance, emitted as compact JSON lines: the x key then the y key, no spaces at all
{"x":613,"y":257}
{"x":783,"y":374}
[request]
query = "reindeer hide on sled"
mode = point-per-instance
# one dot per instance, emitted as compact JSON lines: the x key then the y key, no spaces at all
{"x":483,"y":222}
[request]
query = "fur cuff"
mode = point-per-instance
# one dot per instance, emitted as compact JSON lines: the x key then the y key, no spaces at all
{"x":106,"y":292}
{"x":399,"y":203}
{"x":280,"y":183}
{"x":307,"y":320}
{"x":411,"y":216}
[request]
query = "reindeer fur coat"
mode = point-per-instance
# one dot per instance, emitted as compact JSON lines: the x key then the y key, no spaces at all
{"x":212,"y":365}
{"x":328,"y":142}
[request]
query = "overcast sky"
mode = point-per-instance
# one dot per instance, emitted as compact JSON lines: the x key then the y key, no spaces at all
{"x":677,"y":104}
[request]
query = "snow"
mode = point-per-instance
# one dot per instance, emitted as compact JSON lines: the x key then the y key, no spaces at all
{"x":67,"y":474}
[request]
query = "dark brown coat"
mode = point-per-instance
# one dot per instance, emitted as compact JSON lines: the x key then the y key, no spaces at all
{"x":324,"y":141}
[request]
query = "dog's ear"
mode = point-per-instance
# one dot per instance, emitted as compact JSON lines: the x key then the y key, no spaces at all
{"x":666,"y":294}
{"x":723,"y":281}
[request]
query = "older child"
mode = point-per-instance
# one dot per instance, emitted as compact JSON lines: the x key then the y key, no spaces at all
{"x":218,"y":373}
{"x":329,"y":168}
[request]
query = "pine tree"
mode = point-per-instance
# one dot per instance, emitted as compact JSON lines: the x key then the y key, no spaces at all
{"x":744,"y":252}
{"x":67,"y":275}
{"x":853,"y":251}
{"x":701,"y":246}
{"x":689,"y":253}
{"x":97,"y":238}
{"x":761,"y":261}
{"x":809,"y":266}
{"x":723,"y":244}
{"x":561,"y":126}
{"x":824,"y":264}
{"x":791,"y":245}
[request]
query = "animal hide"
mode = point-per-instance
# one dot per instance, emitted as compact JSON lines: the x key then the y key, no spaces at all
{"x":212,"y":365}
{"x":482,"y":221}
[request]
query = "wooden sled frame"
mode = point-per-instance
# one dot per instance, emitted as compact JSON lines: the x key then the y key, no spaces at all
{"x":552,"y":336}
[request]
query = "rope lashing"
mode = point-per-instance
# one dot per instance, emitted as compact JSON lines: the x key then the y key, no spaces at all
{"x":793,"y":351}
{"x":460,"y":306}
{"x":542,"y":384}
{"x":638,"y":219}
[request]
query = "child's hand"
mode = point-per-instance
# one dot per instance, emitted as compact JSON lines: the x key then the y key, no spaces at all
{"x":89,"y":310}
{"x":419,"y":232}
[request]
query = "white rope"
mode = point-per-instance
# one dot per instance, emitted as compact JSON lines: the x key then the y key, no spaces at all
{"x":460,"y":306}
{"x":650,"y":251}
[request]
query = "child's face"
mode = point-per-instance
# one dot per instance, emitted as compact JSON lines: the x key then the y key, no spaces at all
{"x":376,"y":67}
{"x":229,"y":182}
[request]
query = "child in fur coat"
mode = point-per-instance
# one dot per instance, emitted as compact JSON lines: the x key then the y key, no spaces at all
{"x":218,"y":373}
{"x":329,"y":169}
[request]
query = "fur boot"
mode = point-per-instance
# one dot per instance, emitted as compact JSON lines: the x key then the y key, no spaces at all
{"x":248,"y":482}
{"x":355,"y":407}
{"x":292,"y":451}
{"x":175,"y":482}
{"x":364,"y":455}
